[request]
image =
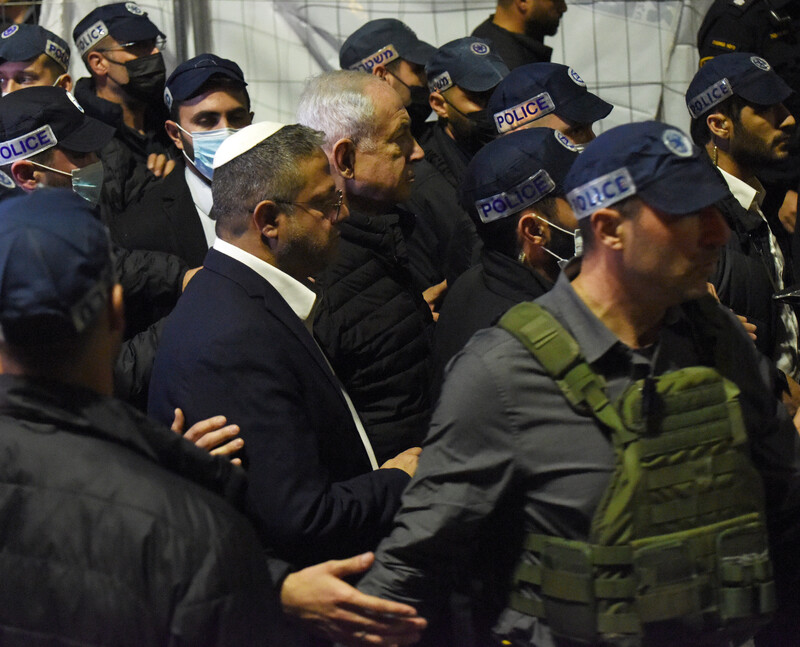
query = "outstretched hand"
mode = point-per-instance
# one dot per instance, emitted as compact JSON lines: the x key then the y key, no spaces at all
{"x":211,"y":434}
{"x":329,"y":606}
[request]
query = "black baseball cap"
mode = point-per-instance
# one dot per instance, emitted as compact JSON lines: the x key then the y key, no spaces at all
{"x":532,"y":91}
{"x":25,"y":42}
{"x":124,"y":21}
{"x":190,"y":76}
{"x":655,"y":161}
{"x":746,"y":75}
{"x":36,"y":118}
{"x":55,"y":266}
{"x":470,"y":63}
{"x":382,"y":41}
{"x":511,"y":173}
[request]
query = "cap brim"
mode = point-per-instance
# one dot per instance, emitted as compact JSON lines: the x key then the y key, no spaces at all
{"x":89,"y":137}
{"x":764,"y":89}
{"x":134,"y":30}
{"x":585,"y":109}
{"x":419,"y":53}
{"x":706,"y":187}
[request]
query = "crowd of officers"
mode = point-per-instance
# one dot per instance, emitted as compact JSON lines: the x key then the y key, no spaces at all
{"x":433,"y":364}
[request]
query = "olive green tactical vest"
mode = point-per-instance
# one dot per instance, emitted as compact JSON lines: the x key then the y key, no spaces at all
{"x":677,"y":552}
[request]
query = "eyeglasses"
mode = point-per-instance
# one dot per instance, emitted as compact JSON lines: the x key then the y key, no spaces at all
{"x":147,"y":45}
{"x":335,"y":204}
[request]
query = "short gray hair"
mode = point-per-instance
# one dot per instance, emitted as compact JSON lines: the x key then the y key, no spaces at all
{"x":268,"y":171}
{"x":337,"y":103}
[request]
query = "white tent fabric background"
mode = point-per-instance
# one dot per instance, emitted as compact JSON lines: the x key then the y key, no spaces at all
{"x":638,"y":55}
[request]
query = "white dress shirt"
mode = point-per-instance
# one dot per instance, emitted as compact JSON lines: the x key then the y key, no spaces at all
{"x":201,"y":196}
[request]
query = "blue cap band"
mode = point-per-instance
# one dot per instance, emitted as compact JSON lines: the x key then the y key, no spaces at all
{"x":601,"y":192}
{"x":516,"y":199}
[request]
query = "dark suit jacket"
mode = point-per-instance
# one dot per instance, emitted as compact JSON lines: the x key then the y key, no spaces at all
{"x":233,"y":346}
{"x":164,"y":219}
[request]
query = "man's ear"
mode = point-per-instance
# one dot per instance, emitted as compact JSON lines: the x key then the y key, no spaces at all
{"x":343,"y":158}
{"x":23,"y":174}
{"x":438,"y":104}
{"x":719,"y":125}
{"x":531,"y":230}
{"x":265,"y":219}
{"x":97,"y":64}
{"x":174,"y":133}
{"x":380,"y":71}
{"x":65,"y":82}
{"x":607,"y":228}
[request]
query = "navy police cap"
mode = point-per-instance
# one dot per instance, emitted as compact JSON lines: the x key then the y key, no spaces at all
{"x":55,"y":266}
{"x":34,"y":119}
{"x":655,"y":161}
{"x":746,"y":75}
{"x":190,"y":76}
{"x":26,"y":42}
{"x":382,"y":41}
{"x":511,"y":173}
{"x":124,"y":21}
{"x":532,"y":91}
{"x":470,"y":63}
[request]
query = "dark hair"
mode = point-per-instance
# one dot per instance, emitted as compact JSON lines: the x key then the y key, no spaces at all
{"x":269,"y":170}
{"x":215,"y":82}
{"x":731,"y":108}
{"x":501,"y":235}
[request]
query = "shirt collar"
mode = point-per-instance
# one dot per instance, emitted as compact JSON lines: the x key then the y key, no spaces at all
{"x":200,"y":190}
{"x":300,"y":298}
{"x":748,"y":194}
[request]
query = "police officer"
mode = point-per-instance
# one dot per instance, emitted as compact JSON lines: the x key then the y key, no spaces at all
{"x":517,"y":444}
{"x":738,"y":115}
{"x":207,"y":101}
{"x":513,"y":191}
{"x":548,"y":95}
{"x":33,"y":55}
{"x":390,"y":50}
{"x":461,"y":76}
{"x":121,"y":49}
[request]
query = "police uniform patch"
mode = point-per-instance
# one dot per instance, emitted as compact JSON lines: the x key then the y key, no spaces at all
{"x":515,"y":200}
{"x":57,"y":53}
{"x":760,"y":63}
{"x":10,"y":31}
{"x":134,"y":8}
{"x":710,"y":97}
{"x":168,"y":98}
{"x":523,"y":113}
{"x":481,"y":49}
{"x":677,"y":143}
{"x":562,"y":139}
{"x":575,"y":77}
{"x":71,"y":97}
{"x":441,"y":83}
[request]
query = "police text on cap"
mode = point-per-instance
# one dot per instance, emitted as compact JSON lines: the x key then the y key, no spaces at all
{"x":523,"y":113}
{"x":91,"y":36}
{"x":710,"y":97}
{"x":514,"y":200}
{"x":381,"y":57}
{"x":601,"y":192}
{"x":27,"y":145}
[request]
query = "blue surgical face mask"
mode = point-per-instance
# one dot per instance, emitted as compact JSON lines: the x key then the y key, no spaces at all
{"x":570,"y":249}
{"x":87,"y":182}
{"x":205,"y":144}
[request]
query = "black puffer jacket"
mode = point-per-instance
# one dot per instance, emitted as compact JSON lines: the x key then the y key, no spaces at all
{"x":118,"y":532}
{"x":375,"y":329}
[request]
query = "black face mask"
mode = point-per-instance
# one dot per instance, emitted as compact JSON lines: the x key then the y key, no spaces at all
{"x":480,"y":131}
{"x":420,"y":108}
{"x":146,"y":77}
